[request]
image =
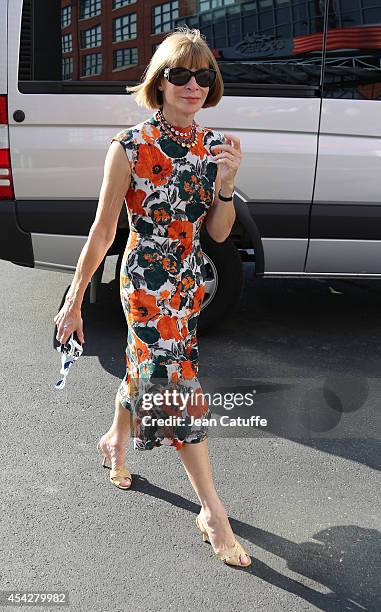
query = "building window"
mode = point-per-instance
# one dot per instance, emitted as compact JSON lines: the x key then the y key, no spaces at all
{"x":124,"y":28}
{"x":124,"y":58}
{"x":91,"y":64}
{"x":119,"y":3}
{"x":89,"y":8}
{"x":67,"y":43}
{"x":66,"y":16}
{"x":207,"y":5}
{"x":67,"y":68}
{"x":163,"y":16}
{"x":91,"y":37}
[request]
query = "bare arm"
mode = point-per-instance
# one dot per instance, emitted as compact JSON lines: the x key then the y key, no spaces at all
{"x":220,"y":216}
{"x":116,"y":181}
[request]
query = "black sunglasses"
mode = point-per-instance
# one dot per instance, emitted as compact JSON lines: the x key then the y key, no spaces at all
{"x":205,"y":77}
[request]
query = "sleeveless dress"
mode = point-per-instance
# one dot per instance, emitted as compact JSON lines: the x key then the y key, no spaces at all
{"x":162,"y":283}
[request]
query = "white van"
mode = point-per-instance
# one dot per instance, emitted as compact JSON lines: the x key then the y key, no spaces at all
{"x":302,"y":92}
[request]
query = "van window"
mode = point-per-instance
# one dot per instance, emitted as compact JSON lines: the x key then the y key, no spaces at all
{"x":352,"y":66}
{"x":69,"y":46}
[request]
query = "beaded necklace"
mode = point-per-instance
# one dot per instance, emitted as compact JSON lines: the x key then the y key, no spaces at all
{"x":183,"y":138}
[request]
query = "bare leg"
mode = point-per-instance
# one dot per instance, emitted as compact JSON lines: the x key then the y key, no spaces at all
{"x":120,"y":427}
{"x":114,"y":441}
{"x":195,"y":458}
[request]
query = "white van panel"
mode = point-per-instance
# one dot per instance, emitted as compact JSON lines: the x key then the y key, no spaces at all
{"x":48,"y":249}
{"x":58,"y":151}
{"x":4,"y":142}
{"x":348,"y":171}
{"x":3,"y":46}
{"x":351,"y":117}
{"x":349,"y":152}
{"x":278,"y":165}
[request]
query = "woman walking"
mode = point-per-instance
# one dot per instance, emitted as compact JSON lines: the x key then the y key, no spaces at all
{"x":175,"y":175}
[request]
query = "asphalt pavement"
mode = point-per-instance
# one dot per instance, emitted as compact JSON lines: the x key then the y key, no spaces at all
{"x":302,"y":492}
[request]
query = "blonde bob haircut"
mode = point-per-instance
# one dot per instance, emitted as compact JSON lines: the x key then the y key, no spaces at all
{"x":183,"y":47}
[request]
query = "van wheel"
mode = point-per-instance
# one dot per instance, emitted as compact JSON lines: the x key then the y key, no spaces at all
{"x":224,"y":278}
{"x":223,"y":283}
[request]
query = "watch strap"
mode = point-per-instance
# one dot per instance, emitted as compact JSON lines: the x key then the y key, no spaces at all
{"x":223,"y":198}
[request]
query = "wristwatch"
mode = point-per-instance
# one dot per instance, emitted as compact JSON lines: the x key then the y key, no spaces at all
{"x":224,"y":199}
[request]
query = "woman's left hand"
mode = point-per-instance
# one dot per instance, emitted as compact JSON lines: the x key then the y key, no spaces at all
{"x":228,"y":158}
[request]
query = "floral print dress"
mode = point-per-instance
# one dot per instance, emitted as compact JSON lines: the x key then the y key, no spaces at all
{"x":162,"y":283}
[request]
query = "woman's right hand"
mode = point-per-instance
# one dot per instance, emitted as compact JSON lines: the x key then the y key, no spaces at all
{"x":69,"y":316}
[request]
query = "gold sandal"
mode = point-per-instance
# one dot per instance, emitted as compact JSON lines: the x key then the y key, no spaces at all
{"x":234,"y":551}
{"x":117,"y":475}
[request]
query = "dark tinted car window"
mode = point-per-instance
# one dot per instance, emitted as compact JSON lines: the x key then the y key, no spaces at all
{"x":265,"y":42}
{"x":353,"y":57}
{"x":257,"y":43}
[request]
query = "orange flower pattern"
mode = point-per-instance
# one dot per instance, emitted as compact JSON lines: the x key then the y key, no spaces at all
{"x":162,"y":281}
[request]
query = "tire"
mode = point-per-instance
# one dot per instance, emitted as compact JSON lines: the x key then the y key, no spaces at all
{"x":224,"y":282}
{"x":223,"y":279}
